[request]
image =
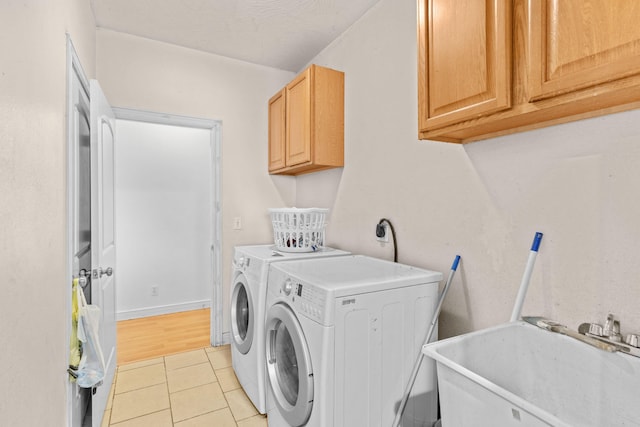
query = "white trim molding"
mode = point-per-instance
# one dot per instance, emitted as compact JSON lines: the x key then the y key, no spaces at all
{"x":162,"y":309}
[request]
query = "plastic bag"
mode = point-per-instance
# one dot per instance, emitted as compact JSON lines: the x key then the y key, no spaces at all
{"x":91,"y":368}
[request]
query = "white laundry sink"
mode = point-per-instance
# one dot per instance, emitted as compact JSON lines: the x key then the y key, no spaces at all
{"x":519,"y":375}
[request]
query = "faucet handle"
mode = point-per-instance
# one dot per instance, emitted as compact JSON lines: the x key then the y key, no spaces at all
{"x":595,"y":329}
{"x":633,"y":340}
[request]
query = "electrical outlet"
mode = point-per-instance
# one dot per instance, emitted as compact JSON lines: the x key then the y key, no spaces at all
{"x":154,"y":291}
{"x":237,"y":223}
{"x":384,"y":230}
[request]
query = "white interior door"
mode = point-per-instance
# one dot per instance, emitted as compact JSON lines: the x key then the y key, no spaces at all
{"x":102,"y":238}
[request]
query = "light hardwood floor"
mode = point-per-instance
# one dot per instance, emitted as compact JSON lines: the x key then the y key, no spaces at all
{"x":150,"y":337}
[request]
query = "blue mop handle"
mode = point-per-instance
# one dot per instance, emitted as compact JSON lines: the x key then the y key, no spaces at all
{"x":536,"y":242}
{"x":526,"y":277}
{"x":454,"y":266}
{"x":416,"y":366}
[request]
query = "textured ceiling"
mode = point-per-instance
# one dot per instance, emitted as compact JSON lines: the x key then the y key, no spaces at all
{"x":284,"y":34}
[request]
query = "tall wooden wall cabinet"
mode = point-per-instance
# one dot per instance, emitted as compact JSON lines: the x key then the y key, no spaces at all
{"x":492,"y":67}
{"x":306,"y":123}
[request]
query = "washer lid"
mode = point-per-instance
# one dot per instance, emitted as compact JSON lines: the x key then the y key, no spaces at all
{"x":349,"y":275}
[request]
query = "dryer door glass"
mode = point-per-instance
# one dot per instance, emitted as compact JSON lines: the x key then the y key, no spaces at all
{"x":286,"y":364}
{"x":242,"y":313}
{"x":289,"y":365}
{"x":242,"y":316}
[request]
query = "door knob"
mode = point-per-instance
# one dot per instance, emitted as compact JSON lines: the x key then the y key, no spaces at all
{"x":99,"y":272}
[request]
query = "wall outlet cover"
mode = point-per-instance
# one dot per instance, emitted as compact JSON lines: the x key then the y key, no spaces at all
{"x":237,"y":223}
{"x":385,"y":237}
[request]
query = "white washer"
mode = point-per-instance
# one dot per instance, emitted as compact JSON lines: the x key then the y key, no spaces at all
{"x":342,"y":335}
{"x":248,"y":295}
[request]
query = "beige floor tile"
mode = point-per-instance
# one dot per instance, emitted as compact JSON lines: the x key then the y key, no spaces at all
{"x":188,"y":358}
{"x":190,"y":376}
{"x":197,"y":401}
{"x":157,"y":419}
{"x":140,"y":364}
{"x":140,"y":378}
{"x":227,"y":379}
{"x":139,"y":402}
{"x":106,"y":418}
{"x":240,"y":405}
{"x":220,"y":359}
{"x":257,"y":421}
{"x":220,"y":418}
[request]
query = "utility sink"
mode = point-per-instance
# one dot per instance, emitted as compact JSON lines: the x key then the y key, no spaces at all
{"x":519,"y":375}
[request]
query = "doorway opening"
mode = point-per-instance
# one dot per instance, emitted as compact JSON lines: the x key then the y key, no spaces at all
{"x":168,"y":223}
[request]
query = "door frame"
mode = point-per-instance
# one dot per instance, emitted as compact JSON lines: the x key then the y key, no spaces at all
{"x":215,"y":131}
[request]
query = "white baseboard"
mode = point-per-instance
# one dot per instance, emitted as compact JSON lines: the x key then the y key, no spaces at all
{"x":162,"y":309}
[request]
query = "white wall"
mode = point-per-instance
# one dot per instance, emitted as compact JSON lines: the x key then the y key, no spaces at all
{"x":164,"y":194}
{"x":577,"y":183}
{"x":148,"y":75}
{"x":33,"y":277}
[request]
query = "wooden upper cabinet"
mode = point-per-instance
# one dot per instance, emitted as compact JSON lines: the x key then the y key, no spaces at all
{"x":465,"y":60}
{"x":299,"y":119}
{"x":310,"y":115}
{"x":277,"y":159}
{"x":580,"y":43}
{"x":493,"y":67}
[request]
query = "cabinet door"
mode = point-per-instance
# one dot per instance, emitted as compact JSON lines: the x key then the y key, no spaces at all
{"x":277,"y":132}
{"x":464,"y":60}
{"x":298,"y":107}
{"x":580,"y":43}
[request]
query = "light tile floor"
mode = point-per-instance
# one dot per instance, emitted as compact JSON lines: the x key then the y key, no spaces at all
{"x":191,"y":389}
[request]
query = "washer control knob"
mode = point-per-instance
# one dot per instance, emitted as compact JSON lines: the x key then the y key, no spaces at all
{"x":287,"y":286}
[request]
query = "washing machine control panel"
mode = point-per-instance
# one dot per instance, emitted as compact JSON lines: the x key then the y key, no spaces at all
{"x":287,"y":286}
{"x":306,"y":298}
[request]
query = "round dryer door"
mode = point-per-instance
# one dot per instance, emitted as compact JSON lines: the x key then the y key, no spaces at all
{"x":289,"y":365}
{"x":242,"y":314}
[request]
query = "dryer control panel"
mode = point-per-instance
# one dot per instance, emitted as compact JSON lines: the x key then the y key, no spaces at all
{"x":311,"y":301}
{"x":307,"y":299}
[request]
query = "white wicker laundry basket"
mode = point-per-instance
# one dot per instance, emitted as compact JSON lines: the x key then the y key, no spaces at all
{"x":298,"y":230}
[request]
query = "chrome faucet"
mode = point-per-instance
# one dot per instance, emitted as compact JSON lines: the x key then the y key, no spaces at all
{"x":612,"y":329}
{"x":611,"y":334}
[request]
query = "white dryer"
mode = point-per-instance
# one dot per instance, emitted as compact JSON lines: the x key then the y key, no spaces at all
{"x":342,"y":335}
{"x":248,"y":296}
